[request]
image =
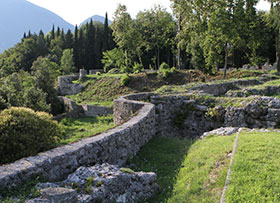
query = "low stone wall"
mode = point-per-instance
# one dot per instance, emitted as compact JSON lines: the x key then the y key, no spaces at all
{"x":66,"y":87}
{"x":261,"y":112}
{"x":218,"y":89}
{"x":268,"y":90}
{"x":73,"y":110}
{"x":127,"y":106}
{"x":113,"y":146}
{"x":181,"y":116}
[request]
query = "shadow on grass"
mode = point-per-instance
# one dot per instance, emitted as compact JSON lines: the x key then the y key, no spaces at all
{"x":164,"y":156}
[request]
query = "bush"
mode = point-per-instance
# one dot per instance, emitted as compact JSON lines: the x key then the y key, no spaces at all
{"x":164,"y":66}
{"x":25,"y":132}
{"x":125,"y":80}
{"x":137,"y":68}
{"x":164,"y":70}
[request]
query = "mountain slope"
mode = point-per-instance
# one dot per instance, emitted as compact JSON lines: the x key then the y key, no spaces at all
{"x":95,"y":18}
{"x":19,"y":16}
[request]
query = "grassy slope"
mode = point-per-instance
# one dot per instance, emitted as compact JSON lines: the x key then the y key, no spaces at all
{"x":79,"y":128}
{"x":187,"y":171}
{"x":256,"y":170}
{"x":103,"y":89}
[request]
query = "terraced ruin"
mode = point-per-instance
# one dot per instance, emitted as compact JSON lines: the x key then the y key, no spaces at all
{"x":209,"y":128}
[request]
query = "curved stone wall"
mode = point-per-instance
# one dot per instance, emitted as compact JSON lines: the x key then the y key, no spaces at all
{"x":113,"y":146}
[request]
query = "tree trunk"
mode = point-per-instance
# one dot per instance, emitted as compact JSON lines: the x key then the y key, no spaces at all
{"x":226,"y":62}
{"x":158,"y":57}
{"x":217,"y":65}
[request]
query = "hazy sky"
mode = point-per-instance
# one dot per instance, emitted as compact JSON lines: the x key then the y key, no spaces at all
{"x":76,"y":11}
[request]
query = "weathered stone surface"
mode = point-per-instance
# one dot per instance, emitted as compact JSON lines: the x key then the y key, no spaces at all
{"x":59,"y":194}
{"x":221,"y":131}
{"x":66,"y":87}
{"x":83,"y":74}
{"x":113,"y":146}
{"x":73,"y":110}
{"x":268,"y":90}
{"x":103,"y":183}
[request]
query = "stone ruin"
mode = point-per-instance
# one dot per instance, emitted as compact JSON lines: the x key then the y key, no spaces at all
{"x":137,"y":122}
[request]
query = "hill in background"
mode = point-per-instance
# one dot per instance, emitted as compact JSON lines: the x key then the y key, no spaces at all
{"x":96,"y":18}
{"x":19,"y":16}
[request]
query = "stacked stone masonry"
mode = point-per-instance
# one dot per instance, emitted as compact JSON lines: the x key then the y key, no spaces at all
{"x":113,"y":146}
{"x":139,"y":117}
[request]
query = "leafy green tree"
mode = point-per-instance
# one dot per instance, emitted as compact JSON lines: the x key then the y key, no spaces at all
{"x":45,"y":72}
{"x":157,"y":31}
{"x":36,"y":99}
{"x":114,"y":58}
{"x":67,"y":62}
{"x":275,"y":23}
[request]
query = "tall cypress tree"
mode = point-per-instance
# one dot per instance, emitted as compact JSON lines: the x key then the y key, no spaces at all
{"x":81,"y":50}
{"x":90,"y":45}
{"x":52,"y":33}
{"x":76,"y":47}
{"x":69,"y":40}
{"x":58,"y":32}
{"x":106,"y":34}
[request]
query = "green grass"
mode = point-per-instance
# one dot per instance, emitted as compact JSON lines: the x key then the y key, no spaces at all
{"x":203,"y":172}
{"x":187,"y":171}
{"x":78,"y":128}
{"x":255,"y":173}
{"x":163,"y":156}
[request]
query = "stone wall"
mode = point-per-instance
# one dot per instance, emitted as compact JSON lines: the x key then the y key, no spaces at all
{"x":127,"y":106}
{"x":113,"y":146}
{"x":66,"y":87}
{"x":73,"y":110}
{"x":218,"y":89}
{"x":261,"y":112}
{"x":267,"y":90}
{"x":181,"y":116}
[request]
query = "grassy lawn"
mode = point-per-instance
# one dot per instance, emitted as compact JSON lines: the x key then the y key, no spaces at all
{"x":255,"y":173}
{"x":79,"y":128}
{"x":187,"y":171}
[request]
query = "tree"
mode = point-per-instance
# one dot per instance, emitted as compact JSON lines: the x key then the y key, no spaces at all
{"x":45,"y":72}
{"x":106,"y":34}
{"x":76,"y":47}
{"x":69,"y":42}
{"x":90,"y":60}
{"x":52,"y":33}
{"x":114,"y":58}
{"x":67,"y":62}
{"x":275,"y":22}
{"x":156,"y":31}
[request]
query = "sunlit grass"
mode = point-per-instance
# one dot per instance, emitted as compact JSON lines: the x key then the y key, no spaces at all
{"x":255,"y":173}
{"x":187,"y":171}
{"x":79,"y":128}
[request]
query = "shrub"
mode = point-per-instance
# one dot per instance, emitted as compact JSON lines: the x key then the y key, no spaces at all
{"x":137,"y":68}
{"x":25,"y":132}
{"x":164,"y":66}
{"x":164,"y":70}
{"x":125,"y":80}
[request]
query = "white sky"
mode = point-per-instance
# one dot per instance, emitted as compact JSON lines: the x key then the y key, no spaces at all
{"x":76,"y":11}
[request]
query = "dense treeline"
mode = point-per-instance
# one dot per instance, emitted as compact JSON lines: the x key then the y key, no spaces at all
{"x":28,"y":71}
{"x":218,"y":33}
{"x":206,"y":35}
